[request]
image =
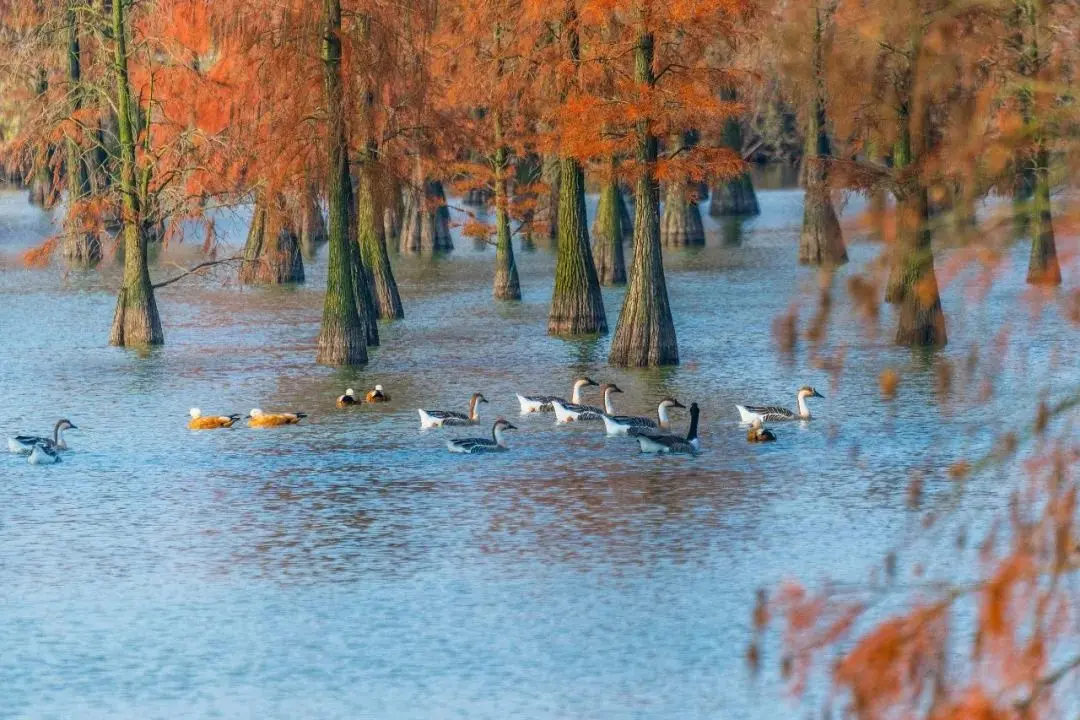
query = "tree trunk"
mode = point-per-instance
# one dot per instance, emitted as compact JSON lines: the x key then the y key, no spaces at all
{"x":821,"y":241}
{"x":506,"y":285}
{"x":393,"y":210}
{"x":577,"y":307}
{"x":527,"y":173}
{"x":426,"y":228}
{"x":312,"y":224}
{"x":734,"y":197}
{"x":372,"y":238}
{"x":272,"y":251}
{"x":681,"y":224}
{"x":608,"y":236}
{"x":645,"y":333}
{"x":136,"y":322}
{"x":551,"y":173}
{"x":342,"y":337}
{"x":81,"y":245}
{"x":41,"y":188}
{"x":922,"y":321}
{"x":1043,"y":267}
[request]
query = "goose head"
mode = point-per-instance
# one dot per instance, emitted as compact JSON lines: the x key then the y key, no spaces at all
{"x":584,"y":382}
{"x":662,"y":411}
{"x":476,"y":399}
{"x":501,"y":425}
{"x":65,"y":424}
{"x":609,"y":388}
{"x":670,"y":402}
{"x":808,"y":392}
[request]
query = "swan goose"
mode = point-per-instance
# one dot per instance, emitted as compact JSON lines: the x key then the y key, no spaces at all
{"x":23,"y":444}
{"x":673,"y":444}
{"x":766,"y":413}
{"x":496,"y":443}
{"x":640,"y":425}
{"x":575,"y":412}
{"x":259,"y":419}
{"x":210,"y":422}
{"x":542,"y":403}
{"x":43,"y":454}
{"x":447,"y":418}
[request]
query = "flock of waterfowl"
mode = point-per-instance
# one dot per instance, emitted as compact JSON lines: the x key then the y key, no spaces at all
{"x":653,"y":436}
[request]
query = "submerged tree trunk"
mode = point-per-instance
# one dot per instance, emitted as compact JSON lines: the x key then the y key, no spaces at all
{"x":41,"y":188}
{"x":645,"y":333}
{"x":371,"y":232}
{"x":681,"y":224}
{"x":626,"y":218}
{"x":312,"y":224}
{"x":1043,"y":266}
{"x":922,"y":321}
{"x":527,"y":173}
{"x":136,"y":322}
{"x":342,"y":337}
{"x":821,"y":241}
{"x":81,"y":244}
{"x":736,"y":196}
{"x":608,"y":235}
{"x":577,"y":307}
{"x":272,"y":251}
{"x":393,"y":210}
{"x":426,"y":227}
{"x":551,"y":173}
{"x":506,"y":284}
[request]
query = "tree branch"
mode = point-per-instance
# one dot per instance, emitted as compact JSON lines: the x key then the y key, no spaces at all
{"x":197,"y":268}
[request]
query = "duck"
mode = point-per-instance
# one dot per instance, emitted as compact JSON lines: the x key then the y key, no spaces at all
{"x":23,"y":444}
{"x":447,"y":418}
{"x":569,"y":412}
{"x":542,"y":403}
{"x":349,"y":398}
{"x":759,"y":433}
{"x":377,"y":395}
{"x":259,"y":419}
{"x":43,"y":454}
{"x":766,"y":413}
{"x":635,"y":425}
{"x":496,"y":443}
{"x":673,"y":444}
{"x":210,"y":422}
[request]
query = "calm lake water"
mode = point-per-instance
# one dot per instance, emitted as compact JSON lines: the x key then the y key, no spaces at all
{"x":351,"y":567}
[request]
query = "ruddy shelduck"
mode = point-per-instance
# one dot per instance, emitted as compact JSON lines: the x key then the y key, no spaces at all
{"x":210,"y":422}
{"x":259,"y":419}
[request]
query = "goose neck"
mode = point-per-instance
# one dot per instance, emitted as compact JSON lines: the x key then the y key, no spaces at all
{"x":691,"y":436}
{"x":662,"y":416}
{"x":804,"y":409}
{"x":609,"y":407}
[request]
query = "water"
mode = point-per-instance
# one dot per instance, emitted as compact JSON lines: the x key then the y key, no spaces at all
{"x":351,"y":567}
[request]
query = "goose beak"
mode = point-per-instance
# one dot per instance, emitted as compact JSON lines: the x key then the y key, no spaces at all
{"x":615,"y":388}
{"x":72,"y":427}
{"x":590,"y":381}
{"x":817,"y":394}
{"x":482,"y":399}
{"x":679,"y":405}
{"x":510,"y":427}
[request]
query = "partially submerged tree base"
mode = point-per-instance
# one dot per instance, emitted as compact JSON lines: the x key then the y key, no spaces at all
{"x":681,"y":225}
{"x":425,"y":229}
{"x":136,"y":322}
{"x":735,"y":197}
{"x":577,"y":307}
{"x":272,"y":252}
{"x":312,"y":226}
{"x":608,"y":233}
{"x":913,"y":283}
{"x":81,"y":247}
{"x":821,"y":241}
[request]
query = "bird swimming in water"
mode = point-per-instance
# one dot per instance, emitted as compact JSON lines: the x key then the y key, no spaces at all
{"x":673,"y":444}
{"x":496,"y":443}
{"x":43,"y":454}
{"x":542,"y":403}
{"x":759,"y":433}
{"x":767,"y":413}
{"x":23,"y":444}
{"x":210,"y":422}
{"x":349,"y":398}
{"x":260,"y":419}
{"x":377,"y":395}
{"x":446,"y":418}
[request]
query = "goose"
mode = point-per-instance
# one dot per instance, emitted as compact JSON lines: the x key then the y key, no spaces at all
{"x":260,"y":419}
{"x":210,"y":422}
{"x":635,"y":425}
{"x":446,"y":418}
{"x":23,"y":444}
{"x":497,"y":443}
{"x":575,"y":412}
{"x":759,"y":433}
{"x":43,"y":454}
{"x":349,"y":398}
{"x":376,"y":395}
{"x":673,"y":444}
{"x":542,"y":403}
{"x":765,"y":413}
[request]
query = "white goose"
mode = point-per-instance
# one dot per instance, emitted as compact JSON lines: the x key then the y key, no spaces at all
{"x":772,"y":413}
{"x":639,"y":425}
{"x":447,"y":418}
{"x":24,"y":444}
{"x":576,"y":412}
{"x":673,"y":444}
{"x":542,"y":403}
{"x":43,"y":454}
{"x":496,"y":443}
